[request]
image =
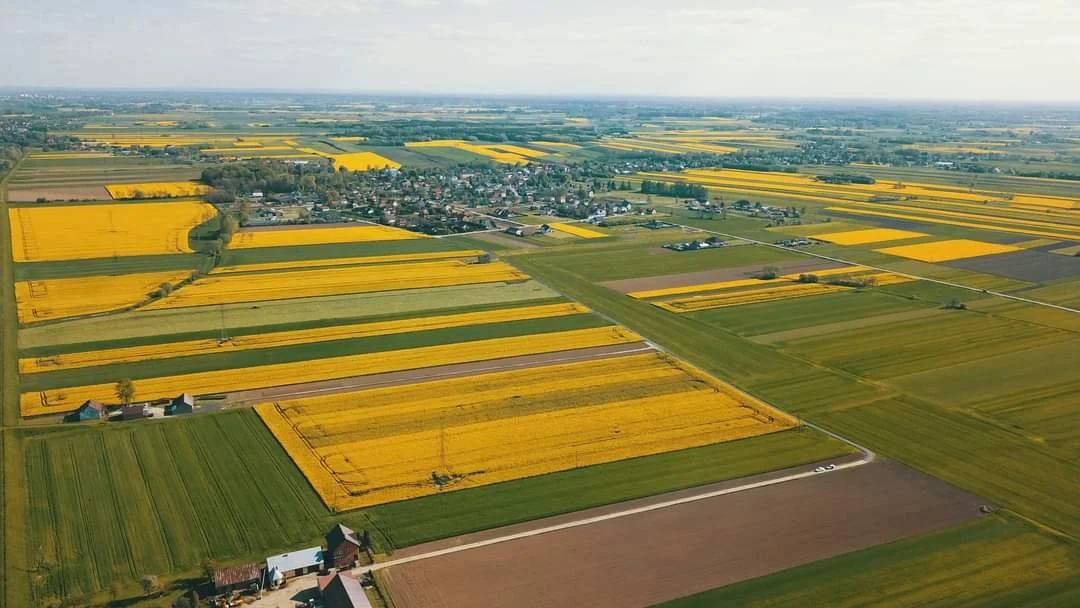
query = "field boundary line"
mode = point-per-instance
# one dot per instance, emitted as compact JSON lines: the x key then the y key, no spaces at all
{"x":896,"y":272}
{"x":866,"y":459}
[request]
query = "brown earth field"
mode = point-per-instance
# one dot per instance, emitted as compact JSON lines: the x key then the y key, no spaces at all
{"x":713,"y":276}
{"x":355,"y":383}
{"x":1028,"y":265}
{"x":58,"y":193}
{"x":647,"y":558}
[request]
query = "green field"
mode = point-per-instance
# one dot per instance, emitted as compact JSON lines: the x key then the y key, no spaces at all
{"x":991,"y":562}
{"x":835,"y":380}
{"x":162,"y":325}
{"x":113,"y":504}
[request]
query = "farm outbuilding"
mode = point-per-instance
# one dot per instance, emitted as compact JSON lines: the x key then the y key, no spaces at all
{"x":343,"y":547}
{"x":92,"y":410}
{"x":236,"y":577}
{"x":342,"y":590}
{"x":280,"y":568}
{"x":184,"y":404}
{"x":135,"y":412}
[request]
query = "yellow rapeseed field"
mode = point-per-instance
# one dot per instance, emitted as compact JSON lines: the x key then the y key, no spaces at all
{"x":156,"y":190}
{"x":47,"y":299}
{"x":78,"y":232}
{"x":32,"y":365}
{"x":943,"y":251}
{"x":578,"y":230}
{"x":363,"y":161}
{"x":872,"y":235}
{"x":359,"y":261}
{"x":917,"y":215}
{"x":489,"y":151}
{"x":750,"y":296}
{"x":286,"y":284}
{"x":394,"y":443}
{"x":279,"y":374}
{"x":319,"y":235}
{"x":735,"y":283}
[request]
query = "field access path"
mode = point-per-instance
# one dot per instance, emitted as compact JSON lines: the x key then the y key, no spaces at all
{"x":9,"y":391}
{"x":878,"y":268}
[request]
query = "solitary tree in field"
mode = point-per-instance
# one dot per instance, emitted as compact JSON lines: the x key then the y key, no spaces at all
{"x":125,"y":391}
{"x":150,"y":584}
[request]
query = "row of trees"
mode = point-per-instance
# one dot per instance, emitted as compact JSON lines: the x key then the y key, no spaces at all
{"x":693,"y":191}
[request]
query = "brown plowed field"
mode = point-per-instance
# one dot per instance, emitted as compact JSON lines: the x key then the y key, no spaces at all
{"x":58,"y":193}
{"x":713,"y":276}
{"x":647,"y":558}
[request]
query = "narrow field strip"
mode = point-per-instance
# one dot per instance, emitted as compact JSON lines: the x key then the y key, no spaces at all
{"x":577,"y":230}
{"x":393,"y":443}
{"x":319,"y":235}
{"x":720,"y":285}
{"x":32,"y":365}
{"x":284,"y":285}
{"x":221,"y":381}
{"x":357,"y":261}
{"x":871,"y":235}
{"x":737,"y":298}
{"x":947,"y":222}
{"x":156,"y":190}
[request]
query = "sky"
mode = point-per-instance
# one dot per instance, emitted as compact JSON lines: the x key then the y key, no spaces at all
{"x":971,"y":50}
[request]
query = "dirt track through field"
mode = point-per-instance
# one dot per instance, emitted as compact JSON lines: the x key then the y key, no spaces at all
{"x":342,"y":385}
{"x":713,"y":276}
{"x":655,"y":556}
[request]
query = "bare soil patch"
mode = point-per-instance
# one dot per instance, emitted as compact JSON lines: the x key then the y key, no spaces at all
{"x":58,"y":193}
{"x":1030,"y":265}
{"x":648,"y":558}
{"x":712,"y":276}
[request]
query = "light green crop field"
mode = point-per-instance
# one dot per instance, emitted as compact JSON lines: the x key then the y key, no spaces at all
{"x":158,"y":325}
{"x":841,"y":378}
{"x":112,"y":504}
{"x":991,"y":562}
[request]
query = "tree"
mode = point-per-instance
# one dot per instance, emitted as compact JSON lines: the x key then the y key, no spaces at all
{"x":125,"y":391}
{"x":769,"y":273}
{"x":229,"y":226}
{"x":150,"y":584}
{"x":164,"y":289}
{"x":208,"y":567}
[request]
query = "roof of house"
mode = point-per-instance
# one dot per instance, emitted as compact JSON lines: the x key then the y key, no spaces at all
{"x":340,"y":534}
{"x":184,"y":398}
{"x":93,"y":404}
{"x":344,"y":591}
{"x":304,"y":558}
{"x":237,"y":575}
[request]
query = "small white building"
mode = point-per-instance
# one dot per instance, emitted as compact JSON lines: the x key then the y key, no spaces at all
{"x":280,"y":568}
